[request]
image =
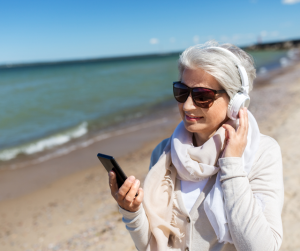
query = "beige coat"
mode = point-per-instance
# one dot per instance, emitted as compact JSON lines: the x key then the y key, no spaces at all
{"x":253,"y":205}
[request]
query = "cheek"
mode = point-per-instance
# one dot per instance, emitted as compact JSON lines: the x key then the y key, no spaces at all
{"x":217,"y":113}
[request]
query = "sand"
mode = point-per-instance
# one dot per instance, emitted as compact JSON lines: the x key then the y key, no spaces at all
{"x":70,"y":207}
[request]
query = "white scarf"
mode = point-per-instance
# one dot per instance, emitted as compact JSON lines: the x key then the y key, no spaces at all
{"x":197,"y":163}
{"x":181,"y":159}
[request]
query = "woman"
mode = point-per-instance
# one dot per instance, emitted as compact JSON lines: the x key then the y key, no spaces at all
{"x":216,"y":183}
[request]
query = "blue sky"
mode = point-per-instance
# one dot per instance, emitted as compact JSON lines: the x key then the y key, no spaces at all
{"x":34,"y":31}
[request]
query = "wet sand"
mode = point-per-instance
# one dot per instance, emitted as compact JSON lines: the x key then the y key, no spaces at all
{"x":65,"y":204}
{"x":21,"y":177}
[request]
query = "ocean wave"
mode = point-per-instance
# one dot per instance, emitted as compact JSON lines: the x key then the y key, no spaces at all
{"x":46,"y":143}
{"x":83,"y":144}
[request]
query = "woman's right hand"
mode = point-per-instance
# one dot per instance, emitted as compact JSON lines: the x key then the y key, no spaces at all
{"x":125,"y":196}
{"x":236,"y":141}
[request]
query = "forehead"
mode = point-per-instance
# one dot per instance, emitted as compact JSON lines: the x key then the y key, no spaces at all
{"x":199,"y":78}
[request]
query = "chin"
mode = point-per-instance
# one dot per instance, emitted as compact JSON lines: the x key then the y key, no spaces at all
{"x":196,"y":127}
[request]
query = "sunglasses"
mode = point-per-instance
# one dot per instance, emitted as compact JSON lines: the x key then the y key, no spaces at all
{"x":202,"y":97}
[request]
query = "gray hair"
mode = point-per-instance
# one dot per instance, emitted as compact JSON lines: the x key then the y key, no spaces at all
{"x":219,"y":64}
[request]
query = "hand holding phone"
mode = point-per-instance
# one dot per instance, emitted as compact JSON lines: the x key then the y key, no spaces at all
{"x":126,"y":191}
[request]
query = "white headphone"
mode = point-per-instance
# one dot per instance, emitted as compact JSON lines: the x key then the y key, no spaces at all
{"x":241,"y":98}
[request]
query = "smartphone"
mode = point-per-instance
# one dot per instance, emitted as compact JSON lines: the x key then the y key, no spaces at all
{"x":110,"y":164}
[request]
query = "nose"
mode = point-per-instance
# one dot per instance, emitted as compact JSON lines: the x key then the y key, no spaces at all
{"x":189,"y":104}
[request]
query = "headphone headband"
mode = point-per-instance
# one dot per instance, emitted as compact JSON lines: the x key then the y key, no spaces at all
{"x":241,"y":69}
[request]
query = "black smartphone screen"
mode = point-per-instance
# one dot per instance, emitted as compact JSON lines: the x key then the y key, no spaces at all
{"x":110,"y":164}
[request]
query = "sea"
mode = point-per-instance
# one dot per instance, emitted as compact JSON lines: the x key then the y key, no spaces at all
{"x":45,"y":106}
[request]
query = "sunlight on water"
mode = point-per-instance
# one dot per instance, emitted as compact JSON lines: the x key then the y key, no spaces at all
{"x":46,"y":106}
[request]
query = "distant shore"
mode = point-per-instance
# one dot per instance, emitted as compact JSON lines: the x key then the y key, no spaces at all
{"x":277,"y":45}
{"x":89,"y":60}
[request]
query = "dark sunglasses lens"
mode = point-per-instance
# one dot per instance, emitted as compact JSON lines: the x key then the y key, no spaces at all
{"x":181,"y":92}
{"x":203,"y":97}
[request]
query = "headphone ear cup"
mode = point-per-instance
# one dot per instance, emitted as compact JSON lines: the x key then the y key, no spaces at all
{"x":239,"y":101}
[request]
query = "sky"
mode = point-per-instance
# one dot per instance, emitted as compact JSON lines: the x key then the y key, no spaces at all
{"x":41,"y":31}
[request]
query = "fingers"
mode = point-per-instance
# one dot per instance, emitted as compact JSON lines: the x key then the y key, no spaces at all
{"x":130,"y":202}
{"x":243,"y":127}
{"x":246,"y":122}
{"x":138,"y":200}
{"x":125,"y":187}
{"x":236,"y":141}
{"x":226,"y":134}
{"x":229,"y":131}
{"x":113,"y":183}
{"x":132,"y":192}
{"x":125,"y":195}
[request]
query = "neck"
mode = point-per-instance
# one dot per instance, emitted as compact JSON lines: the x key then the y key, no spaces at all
{"x":201,"y":138}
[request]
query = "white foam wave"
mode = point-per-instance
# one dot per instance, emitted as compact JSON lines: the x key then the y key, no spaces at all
{"x":79,"y":145}
{"x":262,"y":70}
{"x":44,"y":144}
{"x":284,"y":61}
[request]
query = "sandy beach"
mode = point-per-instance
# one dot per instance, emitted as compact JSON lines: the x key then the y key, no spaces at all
{"x":65,"y":204}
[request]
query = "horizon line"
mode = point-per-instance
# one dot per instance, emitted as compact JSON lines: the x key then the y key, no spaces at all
{"x":86,"y":60}
{"x":126,"y":57}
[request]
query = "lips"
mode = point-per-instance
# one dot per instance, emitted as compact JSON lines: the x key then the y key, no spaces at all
{"x":192,"y":118}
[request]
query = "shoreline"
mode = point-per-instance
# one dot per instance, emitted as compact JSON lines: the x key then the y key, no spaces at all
{"x":54,"y":142}
{"x":39,"y":170}
{"x":65,"y":203}
{"x":92,"y":135}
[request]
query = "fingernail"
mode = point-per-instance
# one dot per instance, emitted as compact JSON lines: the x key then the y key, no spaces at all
{"x":131,"y":178}
{"x":137,"y":182}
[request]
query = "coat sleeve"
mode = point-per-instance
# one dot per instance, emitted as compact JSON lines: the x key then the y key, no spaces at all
{"x":138,"y":226}
{"x":253,"y":203}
